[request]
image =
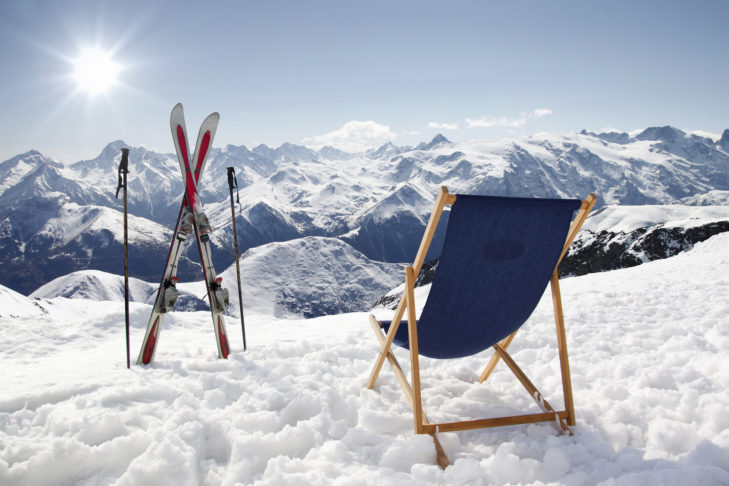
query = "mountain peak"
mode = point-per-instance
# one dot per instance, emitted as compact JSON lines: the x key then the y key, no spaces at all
{"x":31,"y":153}
{"x":613,"y":136}
{"x":665,"y":134}
{"x":33,"y":157}
{"x":329,"y":152}
{"x":724,"y":140}
{"x":439,"y":139}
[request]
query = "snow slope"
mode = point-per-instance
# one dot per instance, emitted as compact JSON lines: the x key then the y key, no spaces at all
{"x":303,"y":277}
{"x":623,"y":236}
{"x":649,"y":367}
{"x":299,"y":278}
{"x":624,"y":219}
{"x":101,"y":286}
{"x":14,"y":304}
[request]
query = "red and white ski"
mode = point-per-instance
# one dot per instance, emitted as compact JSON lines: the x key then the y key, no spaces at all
{"x":191,"y":218}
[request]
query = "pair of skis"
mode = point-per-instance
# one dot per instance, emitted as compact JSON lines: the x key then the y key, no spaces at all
{"x":190,"y":219}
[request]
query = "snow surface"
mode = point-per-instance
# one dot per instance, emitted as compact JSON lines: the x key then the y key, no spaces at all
{"x":649,"y":366}
{"x":15,"y":304}
{"x":75,"y":220}
{"x":95,"y":285}
{"x":625,"y":219}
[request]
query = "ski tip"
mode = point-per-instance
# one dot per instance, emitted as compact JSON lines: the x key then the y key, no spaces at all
{"x":177,"y":111}
{"x":213,"y":117}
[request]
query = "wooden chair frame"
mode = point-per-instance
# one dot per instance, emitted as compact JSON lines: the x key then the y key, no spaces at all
{"x":562,"y":419}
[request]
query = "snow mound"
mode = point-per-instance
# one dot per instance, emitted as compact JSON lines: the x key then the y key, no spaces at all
{"x":624,"y":219}
{"x":309,"y":276}
{"x":94,"y":285}
{"x":711,"y":198}
{"x":100,"y":286}
{"x":14,"y":304}
{"x":624,"y":236}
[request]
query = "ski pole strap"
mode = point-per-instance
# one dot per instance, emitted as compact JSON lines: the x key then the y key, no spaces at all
{"x":233,"y":183}
{"x":123,"y":169}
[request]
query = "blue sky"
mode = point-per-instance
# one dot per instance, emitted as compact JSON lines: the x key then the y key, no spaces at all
{"x":357,"y":74}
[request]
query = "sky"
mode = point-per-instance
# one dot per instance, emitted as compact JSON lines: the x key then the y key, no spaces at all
{"x":357,"y":74}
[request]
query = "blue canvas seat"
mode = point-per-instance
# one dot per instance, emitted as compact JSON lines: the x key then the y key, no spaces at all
{"x":498,"y":257}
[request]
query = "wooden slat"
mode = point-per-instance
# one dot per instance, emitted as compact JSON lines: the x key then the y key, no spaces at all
{"x":440,"y":454}
{"x":495,"y":358}
{"x":580,"y":218}
{"x":388,"y":341}
{"x":440,"y":202}
{"x":524,"y":380}
{"x":399,"y":373}
{"x":413,"y":342}
{"x":564,"y":362}
{"x":496,"y":422}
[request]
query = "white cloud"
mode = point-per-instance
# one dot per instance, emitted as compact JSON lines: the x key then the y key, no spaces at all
{"x":354,"y":136}
{"x":701,"y":133}
{"x":488,"y":121}
{"x":443,"y":126}
{"x":540,"y":112}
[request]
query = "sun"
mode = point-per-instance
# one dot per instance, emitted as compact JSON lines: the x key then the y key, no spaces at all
{"x":95,"y":71}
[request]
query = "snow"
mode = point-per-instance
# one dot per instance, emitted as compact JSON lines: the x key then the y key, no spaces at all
{"x":15,"y":304}
{"x":95,"y":285}
{"x":630,"y":218}
{"x":711,"y":198}
{"x":649,"y":367}
{"x":291,"y":278}
{"x":75,"y":220}
{"x":16,"y":174}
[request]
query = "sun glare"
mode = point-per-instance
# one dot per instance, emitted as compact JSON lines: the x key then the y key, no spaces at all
{"x":95,"y":71}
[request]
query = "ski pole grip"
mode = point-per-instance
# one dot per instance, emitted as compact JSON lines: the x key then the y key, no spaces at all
{"x":124,"y":164}
{"x":231,"y":178}
{"x":123,"y":169}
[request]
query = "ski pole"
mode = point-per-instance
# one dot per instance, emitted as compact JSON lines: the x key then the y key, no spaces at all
{"x":233,"y":183}
{"x":123,"y":170}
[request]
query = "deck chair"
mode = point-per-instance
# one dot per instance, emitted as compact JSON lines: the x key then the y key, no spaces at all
{"x":498,"y":256}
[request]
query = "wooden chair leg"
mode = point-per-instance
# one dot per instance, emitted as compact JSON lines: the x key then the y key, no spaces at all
{"x":388,"y":342}
{"x":414,"y":357}
{"x":440,"y":454}
{"x":496,"y":357}
{"x":535,"y":394}
{"x":562,"y":346}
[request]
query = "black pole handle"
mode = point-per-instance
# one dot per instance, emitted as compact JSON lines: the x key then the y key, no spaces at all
{"x":233,"y":184}
{"x":123,"y":169}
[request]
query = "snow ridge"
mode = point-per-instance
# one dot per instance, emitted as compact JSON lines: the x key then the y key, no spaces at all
{"x":377,"y":202}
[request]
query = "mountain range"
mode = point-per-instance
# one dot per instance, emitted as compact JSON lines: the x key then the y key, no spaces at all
{"x":301,"y":208}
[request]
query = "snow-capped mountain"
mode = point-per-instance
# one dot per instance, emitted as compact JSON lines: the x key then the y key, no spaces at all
{"x":102,"y":286}
{"x":626,"y":236}
{"x":309,"y":277}
{"x":14,"y":304}
{"x":376,"y":202}
{"x":306,"y":277}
